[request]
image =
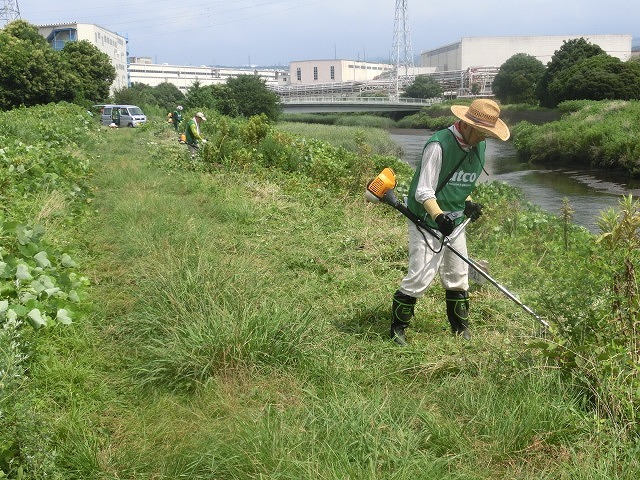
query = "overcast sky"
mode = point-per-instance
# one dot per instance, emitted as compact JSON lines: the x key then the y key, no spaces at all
{"x":276,"y":32}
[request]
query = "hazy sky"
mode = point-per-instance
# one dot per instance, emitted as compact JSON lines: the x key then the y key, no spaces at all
{"x":268,"y":32}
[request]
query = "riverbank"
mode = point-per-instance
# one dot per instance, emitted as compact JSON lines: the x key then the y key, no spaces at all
{"x":583,"y":134}
{"x":591,"y":134}
{"x":565,"y":145}
{"x":578,"y":134}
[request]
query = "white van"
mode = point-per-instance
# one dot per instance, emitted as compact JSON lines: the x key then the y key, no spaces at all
{"x":130,"y":115}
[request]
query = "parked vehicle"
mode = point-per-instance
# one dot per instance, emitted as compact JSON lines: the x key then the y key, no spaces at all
{"x":129,"y":115}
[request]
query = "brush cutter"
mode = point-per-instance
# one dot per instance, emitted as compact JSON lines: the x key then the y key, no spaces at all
{"x":381,"y":189}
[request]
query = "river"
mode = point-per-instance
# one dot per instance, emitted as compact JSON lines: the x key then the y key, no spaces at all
{"x":589,"y":191}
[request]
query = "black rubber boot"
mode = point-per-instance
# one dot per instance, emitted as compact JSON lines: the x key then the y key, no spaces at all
{"x":401,"y":313}
{"x":458,"y":312}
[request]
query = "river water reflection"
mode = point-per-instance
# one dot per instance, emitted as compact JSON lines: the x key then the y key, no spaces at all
{"x":589,"y":191}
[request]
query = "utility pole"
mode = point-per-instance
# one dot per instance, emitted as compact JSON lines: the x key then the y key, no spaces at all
{"x":9,"y":11}
{"x":402,"y":55}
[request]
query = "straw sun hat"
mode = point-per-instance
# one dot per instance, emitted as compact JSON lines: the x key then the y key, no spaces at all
{"x":484,"y":115}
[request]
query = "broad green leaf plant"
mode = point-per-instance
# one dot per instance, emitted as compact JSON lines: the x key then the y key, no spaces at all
{"x":38,"y":285}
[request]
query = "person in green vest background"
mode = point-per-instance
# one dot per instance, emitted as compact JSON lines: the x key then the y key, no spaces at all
{"x":115,"y":115}
{"x":192,"y":132}
{"x":440,"y":192}
{"x":176,"y":117}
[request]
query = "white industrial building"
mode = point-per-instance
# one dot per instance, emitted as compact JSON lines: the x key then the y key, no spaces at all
{"x":114,"y":45}
{"x":472,"y":52}
{"x":340,"y":77}
{"x":308,"y":72}
{"x":472,"y":63}
{"x":143,"y":70}
{"x":303,"y":76}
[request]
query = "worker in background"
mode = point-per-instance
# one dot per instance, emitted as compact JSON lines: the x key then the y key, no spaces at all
{"x":192,"y":132}
{"x":115,"y":116}
{"x":176,"y":117}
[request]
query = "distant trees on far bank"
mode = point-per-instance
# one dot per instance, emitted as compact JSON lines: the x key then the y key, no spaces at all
{"x":423,"y":86}
{"x":578,"y":70}
{"x":241,"y":96}
{"x":518,"y":78}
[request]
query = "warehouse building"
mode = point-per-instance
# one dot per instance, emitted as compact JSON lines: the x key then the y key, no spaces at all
{"x":472,"y":52}
{"x":472,"y":63}
{"x":334,"y":71}
{"x":143,"y":70}
{"x":344,"y":77}
{"x":303,"y":78}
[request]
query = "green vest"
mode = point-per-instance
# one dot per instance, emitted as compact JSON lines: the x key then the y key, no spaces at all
{"x":468,"y":167}
{"x":191,"y":139}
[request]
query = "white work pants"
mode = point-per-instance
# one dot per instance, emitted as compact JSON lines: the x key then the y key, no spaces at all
{"x":424,"y":264}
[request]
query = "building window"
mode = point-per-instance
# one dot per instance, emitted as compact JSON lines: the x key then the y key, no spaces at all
{"x":315,"y":73}
{"x":333,"y":72}
{"x":299,"y":74}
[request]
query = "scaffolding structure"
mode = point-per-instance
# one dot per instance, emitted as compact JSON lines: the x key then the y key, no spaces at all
{"x":473,"y":81}
{"x":476,"y":81}
{"x":9,"y":11}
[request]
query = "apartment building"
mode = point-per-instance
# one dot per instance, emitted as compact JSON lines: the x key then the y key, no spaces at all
{"x":113,"y":44}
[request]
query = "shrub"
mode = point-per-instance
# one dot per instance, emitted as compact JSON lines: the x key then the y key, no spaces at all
{"x":597,"y":334}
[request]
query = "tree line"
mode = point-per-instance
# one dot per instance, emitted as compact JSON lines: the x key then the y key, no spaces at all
{"x":33,"y":73}
{"x":578,"y":70}
{"x":241,"y":96}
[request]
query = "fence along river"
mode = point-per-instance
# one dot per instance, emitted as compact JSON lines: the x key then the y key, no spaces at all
{"x":589,"y":191}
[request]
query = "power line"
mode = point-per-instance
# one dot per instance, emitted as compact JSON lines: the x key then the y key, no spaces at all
{"x":200,"y":15}
{"x":111,"y":14}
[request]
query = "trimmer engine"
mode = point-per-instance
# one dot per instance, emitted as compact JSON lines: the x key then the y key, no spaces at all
{"x":379,"y":186}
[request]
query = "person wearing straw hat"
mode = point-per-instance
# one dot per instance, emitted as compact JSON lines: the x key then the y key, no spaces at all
{"x":192,"y":132}
{"x":440,"y":192}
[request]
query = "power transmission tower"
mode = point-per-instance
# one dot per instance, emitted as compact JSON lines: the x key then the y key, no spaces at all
{"x":9,"y":11}
{"x":402,"y":56}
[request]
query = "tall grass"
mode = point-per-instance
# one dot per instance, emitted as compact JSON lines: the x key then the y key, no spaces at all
{"x":349,"y":137}
{"x":282,"y":354}
{"x":345,"y":120}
